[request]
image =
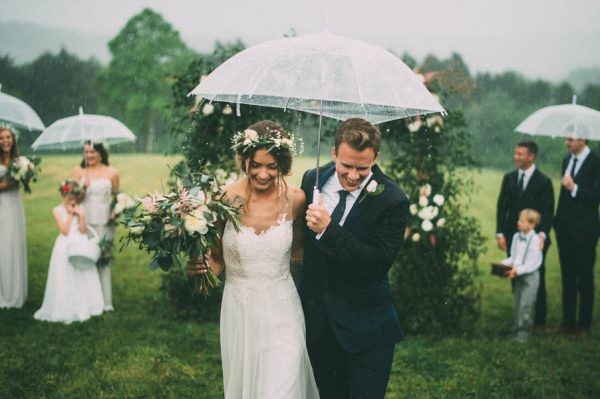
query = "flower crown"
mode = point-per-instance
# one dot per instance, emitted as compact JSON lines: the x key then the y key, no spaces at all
{"x":70,"y":187}
{"x":250,"y":139}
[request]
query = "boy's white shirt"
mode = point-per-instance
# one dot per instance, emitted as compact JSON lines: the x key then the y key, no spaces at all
{"x":534,"y":257}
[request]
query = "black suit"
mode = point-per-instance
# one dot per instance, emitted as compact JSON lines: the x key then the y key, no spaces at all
{"x":351,"y":322}
{"x":577,"y":226}
{"x":538,"y":195}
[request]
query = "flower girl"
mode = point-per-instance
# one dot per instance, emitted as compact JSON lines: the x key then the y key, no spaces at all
{"x":72,"y":294}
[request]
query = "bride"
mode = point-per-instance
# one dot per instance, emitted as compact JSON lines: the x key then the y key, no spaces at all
{"x":263,"y":346}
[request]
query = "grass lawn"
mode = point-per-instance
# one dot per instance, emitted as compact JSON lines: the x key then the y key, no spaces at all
{"x":140,"y":350}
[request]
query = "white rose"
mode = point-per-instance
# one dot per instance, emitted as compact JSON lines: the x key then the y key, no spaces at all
{"x":119,"y":208}
{"x":438,"y":199}
{"x":372,"y":186}
{"x":287,"y":142}
{"x":413,"y":209}
{"x":423,"y":201}
{"x":227,"y":110}
{"x":277,"y":142}
{"x":192,"y":224}
{"x":425,"y":190}
{"x":441,"y":222}
{"x":251,"y":134}
{"x":208,"y":109}
{"x":426,"y":225}
{"x":426,"y":213}
{"x":414,"y":127}
{"x":416,"y":237}
{"x":247,"y":141}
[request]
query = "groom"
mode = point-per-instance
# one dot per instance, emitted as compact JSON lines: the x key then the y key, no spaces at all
{"x":353,"y":235}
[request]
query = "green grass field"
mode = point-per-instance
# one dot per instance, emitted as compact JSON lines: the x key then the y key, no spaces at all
{"x":140,"y":350}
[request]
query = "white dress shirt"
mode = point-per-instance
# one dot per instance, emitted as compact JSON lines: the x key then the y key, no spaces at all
{"x":580,"y":160}
{"x":527,"y":175}
{"x":525,"y":253}
{"x":331,"y":197}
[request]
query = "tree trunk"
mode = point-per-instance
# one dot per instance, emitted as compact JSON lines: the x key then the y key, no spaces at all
{"x":150,"y":136}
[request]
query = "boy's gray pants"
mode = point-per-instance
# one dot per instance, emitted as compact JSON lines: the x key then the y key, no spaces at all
{"x":525,"y":289}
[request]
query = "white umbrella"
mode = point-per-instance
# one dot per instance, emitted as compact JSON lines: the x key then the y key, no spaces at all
{"x":18,"y":113}
{"x":322,"y":74}
{"x":567,"y":120}
{"x":71,"y":132}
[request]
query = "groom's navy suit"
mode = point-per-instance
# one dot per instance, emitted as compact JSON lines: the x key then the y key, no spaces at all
{"x":345,"y":289}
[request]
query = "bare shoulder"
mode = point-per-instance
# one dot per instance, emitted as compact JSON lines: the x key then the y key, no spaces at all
{"x":298,"y":198}
{"x":112,"y":171}
{"x":77,"y":172}
{"x":234,"y":192}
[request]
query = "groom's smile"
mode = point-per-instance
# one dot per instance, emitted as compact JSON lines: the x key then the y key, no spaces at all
{"x":353,"y":166}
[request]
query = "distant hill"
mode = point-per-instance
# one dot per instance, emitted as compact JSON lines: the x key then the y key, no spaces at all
{"x":24,"y":42}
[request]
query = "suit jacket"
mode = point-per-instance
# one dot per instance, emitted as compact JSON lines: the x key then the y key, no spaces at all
{"x":538,"y":195}
{"x":344,"y":278}
{"x":579,"y":216}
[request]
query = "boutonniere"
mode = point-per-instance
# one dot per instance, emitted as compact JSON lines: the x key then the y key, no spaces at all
{"x":372,"y":189}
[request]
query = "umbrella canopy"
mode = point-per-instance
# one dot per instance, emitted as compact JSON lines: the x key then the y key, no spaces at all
{"x":322,"y":74}
{"x":71,"y":132}
{"x":567,"y":120}
{"x":18,"y":113}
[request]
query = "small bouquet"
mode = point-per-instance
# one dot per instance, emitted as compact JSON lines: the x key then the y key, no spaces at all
{"x":23,"y":171}
{"x":119,"y":203}
{"x":182,"y":223}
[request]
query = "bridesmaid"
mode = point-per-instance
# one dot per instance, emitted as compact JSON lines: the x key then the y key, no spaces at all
{"x":13,"y":248}
{"x":101,"y":182}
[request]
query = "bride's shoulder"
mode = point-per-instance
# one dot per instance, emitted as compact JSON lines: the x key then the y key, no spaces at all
{"x":297,"y":198}
{"x":234,"y":192}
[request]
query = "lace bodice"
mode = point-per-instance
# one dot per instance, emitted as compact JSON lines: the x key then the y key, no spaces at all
{"x":258,"y":260}
{"x":97,"y":201}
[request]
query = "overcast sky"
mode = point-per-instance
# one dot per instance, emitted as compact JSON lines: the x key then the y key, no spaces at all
{"x":540,"y":38}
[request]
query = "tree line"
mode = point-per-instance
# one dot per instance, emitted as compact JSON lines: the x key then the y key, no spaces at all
{"x":149,"y":58}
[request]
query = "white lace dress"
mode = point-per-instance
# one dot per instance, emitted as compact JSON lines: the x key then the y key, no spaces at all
{"x":71,"y":294}
{"x":13,"y":248}
{"x":263,"y":345}
{"x":97,"y":213}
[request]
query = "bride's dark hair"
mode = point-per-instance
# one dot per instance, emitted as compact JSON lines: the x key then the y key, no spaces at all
{"x":283,"y":155}
{"x":14,"y":149}
{"x":99,"y":147}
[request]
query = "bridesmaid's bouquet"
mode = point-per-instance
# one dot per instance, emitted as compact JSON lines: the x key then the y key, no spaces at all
{"x":183,"y":223}
{"x":23,"y":170}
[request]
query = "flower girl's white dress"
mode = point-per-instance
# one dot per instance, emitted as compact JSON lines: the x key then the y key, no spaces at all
{"x":263,"y":345}
{"x":71,"y":294}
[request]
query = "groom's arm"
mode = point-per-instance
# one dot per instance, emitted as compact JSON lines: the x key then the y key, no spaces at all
{"x":372,"y":256}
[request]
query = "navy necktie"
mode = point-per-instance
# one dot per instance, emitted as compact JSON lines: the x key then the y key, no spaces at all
{"x":573,"y":167}
{"x":521,"y":183}
{"x":339,"y":209}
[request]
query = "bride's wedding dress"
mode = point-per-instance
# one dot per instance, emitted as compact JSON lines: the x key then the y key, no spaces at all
{"x":263,"y":344}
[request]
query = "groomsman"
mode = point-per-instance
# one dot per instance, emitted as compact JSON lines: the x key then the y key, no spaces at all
{"x":577,"y":226}
{"x":526,"y":187}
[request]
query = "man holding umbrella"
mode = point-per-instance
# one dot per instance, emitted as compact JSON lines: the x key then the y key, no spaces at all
{"x":577,"y":228}
{"x":354,"y":232}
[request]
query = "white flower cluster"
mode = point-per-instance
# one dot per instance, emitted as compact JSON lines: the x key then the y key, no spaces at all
{"x":22,"y":166}
{"x":123,"y":201}
{"x":244,"y":141}
{"x":427,"y":211}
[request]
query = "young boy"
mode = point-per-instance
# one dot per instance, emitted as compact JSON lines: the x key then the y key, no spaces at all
{"x":525,"y":259}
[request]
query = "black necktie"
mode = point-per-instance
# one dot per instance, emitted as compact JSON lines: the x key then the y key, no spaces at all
{"x":573,"y":167}
{"x":339,"y":209}
{"x":521,"y":182}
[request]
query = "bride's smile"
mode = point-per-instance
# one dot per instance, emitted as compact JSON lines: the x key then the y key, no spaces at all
{"x":263,"y":170}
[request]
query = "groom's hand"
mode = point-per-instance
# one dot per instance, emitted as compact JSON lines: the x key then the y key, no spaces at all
{"x":317,"y":217}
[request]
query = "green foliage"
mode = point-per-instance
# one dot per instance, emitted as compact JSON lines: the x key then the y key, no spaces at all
{"x":434,"y":276}
{"x":135,"y":87}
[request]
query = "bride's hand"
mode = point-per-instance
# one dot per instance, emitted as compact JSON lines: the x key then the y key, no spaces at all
{"x":196,"y":267}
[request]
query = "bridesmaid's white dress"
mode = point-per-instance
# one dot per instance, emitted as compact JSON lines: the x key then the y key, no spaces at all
{"x":97,"y":213}
{"x":71,"y":294}
{"x":263,"y":345}
{"x":13,"y":248}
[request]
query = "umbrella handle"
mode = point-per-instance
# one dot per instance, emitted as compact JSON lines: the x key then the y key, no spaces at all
{"x":316,"y":196}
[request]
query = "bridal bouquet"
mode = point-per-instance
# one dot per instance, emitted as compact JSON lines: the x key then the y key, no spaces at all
{"x":183,"y":223}
{"x":23,"y":171}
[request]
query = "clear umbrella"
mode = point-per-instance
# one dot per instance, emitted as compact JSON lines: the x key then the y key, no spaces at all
{"x":322,"y":74}
{"x":18,"y":113}
{"x":567,"y":120}
{"x":71,"y":132}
